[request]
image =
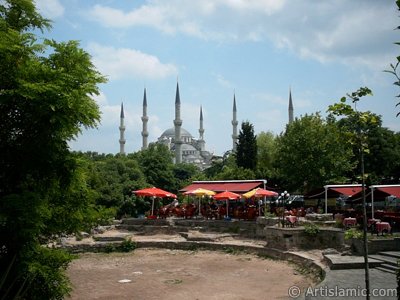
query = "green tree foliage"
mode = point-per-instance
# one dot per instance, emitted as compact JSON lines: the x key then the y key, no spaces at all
{"x":246,"y":151}
{"x":112,"y":180}
{"x":235,"y":173}
{"x":311,"y":153}
{"x":45,"y":100}
{"x":185,"y":173}
{"x":225,"y":168}
{"x":218,"y":163}
{"x":382,"y":163}
{"x":382,"y":153}
{"x":157,"y":166}
{"x":114,"y":177}
{"x":266,"y":146}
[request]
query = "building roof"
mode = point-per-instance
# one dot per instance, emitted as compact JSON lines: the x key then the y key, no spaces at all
{"x":333,"y":192}
{"x":347,"y":191}
{"x":237,"y":186}
{"x":390,"y":190}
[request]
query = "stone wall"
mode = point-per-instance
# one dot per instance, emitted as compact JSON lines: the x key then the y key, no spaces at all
{"x":288,"y":238}
{"x":262,"y":228}
{"x":375,"y":246}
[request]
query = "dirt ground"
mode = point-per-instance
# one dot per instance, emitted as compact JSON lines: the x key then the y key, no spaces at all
{"x":181,"y":275}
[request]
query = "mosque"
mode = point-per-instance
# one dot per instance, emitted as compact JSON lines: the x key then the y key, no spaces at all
{"x":187,"y":149}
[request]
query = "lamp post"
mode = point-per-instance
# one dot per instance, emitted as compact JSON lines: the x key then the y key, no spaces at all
{"x":284,"y":196}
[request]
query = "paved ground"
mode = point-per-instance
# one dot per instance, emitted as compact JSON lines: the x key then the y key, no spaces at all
{"x":352,"y":282}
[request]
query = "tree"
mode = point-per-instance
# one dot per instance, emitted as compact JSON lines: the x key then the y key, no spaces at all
{"x":246,"y":151}
{"x":218,"y":163}
{"x":266,"y":146}
{"x":112,"y":180}
{"x":157,"y":166}
{"x":382,"y":160}
{"x":185,"y":173}
{"x":45,"y":100}
{"x":357,"y":129}
{"x":312,"y":153}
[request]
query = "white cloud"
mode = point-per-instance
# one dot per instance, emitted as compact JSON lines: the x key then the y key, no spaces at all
{"x":101,"y":99}
{"x":223,"y":81}
{"x":123,"y":62}
{"x":354,"y":32}
{"x":265,"y":6}
{"x":50,"y":8}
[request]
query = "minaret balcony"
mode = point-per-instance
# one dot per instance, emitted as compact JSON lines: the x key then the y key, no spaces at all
{"x":178,"y":122}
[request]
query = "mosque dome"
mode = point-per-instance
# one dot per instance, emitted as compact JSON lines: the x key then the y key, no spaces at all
{"x":170,"y":133}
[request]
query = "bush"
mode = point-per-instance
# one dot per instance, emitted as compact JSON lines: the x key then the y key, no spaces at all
{"x":311,"y":229}
{"x":269,"y":215}
{"x":128,"y":245}
{"x":339,"y":224}
{"x":353,"y":233}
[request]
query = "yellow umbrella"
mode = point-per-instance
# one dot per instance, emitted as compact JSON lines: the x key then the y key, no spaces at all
{"x":259,"y":193}
{"x":200,"y":192}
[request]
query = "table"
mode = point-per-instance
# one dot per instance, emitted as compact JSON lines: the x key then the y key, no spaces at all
{"x":349,"y":222}
{"x":381,"y":227}
{"x":373,"y":221}
{"x":291,"y":219}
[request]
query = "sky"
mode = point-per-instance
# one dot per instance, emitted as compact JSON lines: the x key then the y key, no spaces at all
{"x":257,"y":50}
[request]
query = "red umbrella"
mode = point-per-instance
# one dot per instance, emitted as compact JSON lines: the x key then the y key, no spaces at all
{"x":154,"y":192}
{"x":227,"y":196}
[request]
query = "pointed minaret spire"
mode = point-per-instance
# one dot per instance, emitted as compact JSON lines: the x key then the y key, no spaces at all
{"x":122,"y":131}
{"x":178,"y":124}
{"x":234,"y":125}
{"x":145,"y":119}
{"x":290,"y":106}
{"x":201,"y":131}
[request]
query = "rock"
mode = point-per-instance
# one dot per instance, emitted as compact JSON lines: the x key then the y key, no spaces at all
{"x":84,"y":235}
{"x":329,"y":251}
{"x":99,"y":229}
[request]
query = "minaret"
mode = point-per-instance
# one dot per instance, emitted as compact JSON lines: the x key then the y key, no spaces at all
{"x":201,"y":131}
{"x":145,"y":118}
{"x":234,"y":125}
{"x":122,"y":131}
{"x":290,"y":107}
{"x":178,"y":124}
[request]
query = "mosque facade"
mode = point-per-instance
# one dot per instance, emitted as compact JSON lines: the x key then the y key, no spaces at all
{"x":186,"y":148}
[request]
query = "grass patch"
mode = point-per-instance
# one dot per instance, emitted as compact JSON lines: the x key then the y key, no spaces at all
{"x":316,"y":275}
{"x":233,"y":251}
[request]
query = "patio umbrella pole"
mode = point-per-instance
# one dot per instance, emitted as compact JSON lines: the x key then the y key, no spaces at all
{"x":199,"y":206}
{"x":152,"y":206}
